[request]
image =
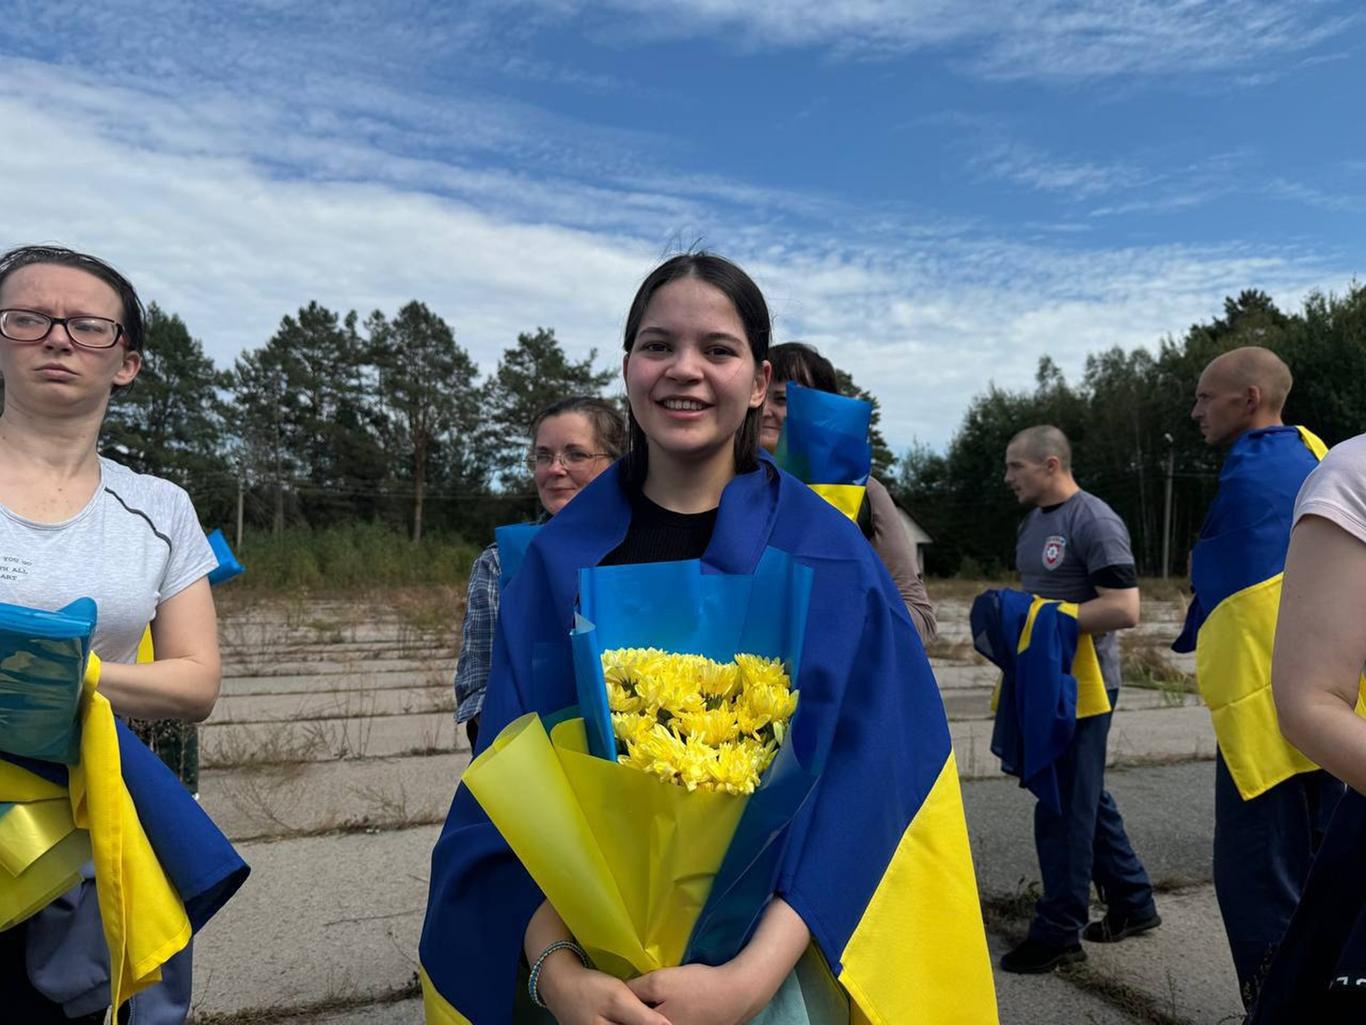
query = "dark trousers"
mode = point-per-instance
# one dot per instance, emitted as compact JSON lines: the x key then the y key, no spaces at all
{"x":1319,"y":972}
{"x":1086,"y":842}
{"x":1262,"y":852}
{"x":20,"y":1001}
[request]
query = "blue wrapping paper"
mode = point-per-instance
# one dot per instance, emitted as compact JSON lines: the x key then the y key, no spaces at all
{"x":42,"y":661}
{"x":228,"y":566}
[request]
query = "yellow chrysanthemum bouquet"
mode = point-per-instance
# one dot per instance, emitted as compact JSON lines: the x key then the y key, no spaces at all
{"x":651,"y":814}
{"x":696,"y":722}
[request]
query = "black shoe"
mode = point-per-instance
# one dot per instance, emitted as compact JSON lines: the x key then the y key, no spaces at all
{"x":1113,"y":928}
{"x":1033,"y":957}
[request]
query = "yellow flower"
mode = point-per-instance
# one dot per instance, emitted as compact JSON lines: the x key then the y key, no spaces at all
{"x":658,"y":752}
{"x":669,"y":686}
{"x":757,"y":671}
{"x":621,"y":697}
{"x":763,"y":704}
{"x":630,"y":727}
{"x":695,"y":722}
{"x":708,"y":725}
{"x":737,"y":767}
{"x":717,"y":680}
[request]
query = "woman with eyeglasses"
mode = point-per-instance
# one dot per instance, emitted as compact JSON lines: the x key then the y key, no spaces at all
{"x":74,"y":524}
{"x":572,"y":441}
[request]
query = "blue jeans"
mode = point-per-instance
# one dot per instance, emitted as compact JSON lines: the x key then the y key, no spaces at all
{"x":1086,"y":842}
{"x":1262,"y":852}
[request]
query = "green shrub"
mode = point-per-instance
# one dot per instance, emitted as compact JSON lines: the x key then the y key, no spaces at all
{"x":349,"y":558}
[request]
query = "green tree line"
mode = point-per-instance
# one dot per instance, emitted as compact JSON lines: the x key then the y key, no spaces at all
{"x":1129,"y":422}
{"x":337,"y":420}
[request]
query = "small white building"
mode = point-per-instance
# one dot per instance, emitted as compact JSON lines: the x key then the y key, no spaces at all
{"x":918,"y":535}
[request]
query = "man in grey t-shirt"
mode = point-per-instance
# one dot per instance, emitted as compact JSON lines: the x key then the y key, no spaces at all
{"x":1074,"y":548}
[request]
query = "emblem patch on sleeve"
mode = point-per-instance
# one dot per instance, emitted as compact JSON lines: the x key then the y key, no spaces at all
{"x":1053,"y":551}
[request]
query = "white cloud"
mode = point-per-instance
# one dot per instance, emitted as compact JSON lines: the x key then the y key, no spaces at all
{"x":1012,"y":39}
{"x":188,"y":196}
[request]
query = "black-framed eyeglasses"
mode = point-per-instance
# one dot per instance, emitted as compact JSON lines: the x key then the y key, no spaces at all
{"x":570,"y":458}
{"x":87,"y":332}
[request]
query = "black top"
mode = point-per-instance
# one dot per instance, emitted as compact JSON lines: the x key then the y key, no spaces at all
{"x":657,"y":534}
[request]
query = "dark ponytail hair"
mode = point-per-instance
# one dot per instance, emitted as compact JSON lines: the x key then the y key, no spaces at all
{"x":744,"y":295}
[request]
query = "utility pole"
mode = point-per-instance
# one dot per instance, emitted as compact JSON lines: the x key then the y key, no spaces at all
{"x":241,"y":486}
{"x":1167,"y":509}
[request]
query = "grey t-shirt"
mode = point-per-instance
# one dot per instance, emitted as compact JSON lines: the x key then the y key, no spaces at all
{"x":136,"y":543}
{"x":1059,"y":548}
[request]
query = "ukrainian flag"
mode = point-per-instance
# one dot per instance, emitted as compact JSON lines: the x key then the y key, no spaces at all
{"x":1236,"y":570}
{"x":824,"y":444}
{"x":1050,"y":678}
{"x":876,"y":862}
{"x":162,"y":869}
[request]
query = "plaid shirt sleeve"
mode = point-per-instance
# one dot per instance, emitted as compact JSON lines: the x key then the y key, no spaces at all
{"x":476,"y":647}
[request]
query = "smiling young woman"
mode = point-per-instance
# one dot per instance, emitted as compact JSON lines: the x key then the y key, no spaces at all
{"x":694,"y":486}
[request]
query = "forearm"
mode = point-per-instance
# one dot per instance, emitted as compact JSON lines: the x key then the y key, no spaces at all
{"x":1320,"y":648}
{"x":1110,"y":610}
{"x":1328,"y":731}
{"x":172,"y":688}
{"x":771,"y":954}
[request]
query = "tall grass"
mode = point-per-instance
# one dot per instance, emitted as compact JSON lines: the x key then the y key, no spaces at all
{"x":349,"y":558}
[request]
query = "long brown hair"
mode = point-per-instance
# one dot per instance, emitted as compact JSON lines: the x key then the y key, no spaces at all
{"x":744,"y":295}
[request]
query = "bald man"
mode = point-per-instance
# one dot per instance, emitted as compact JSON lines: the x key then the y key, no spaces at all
{"x":1271,"y":803}
{"x":1073,"y":547}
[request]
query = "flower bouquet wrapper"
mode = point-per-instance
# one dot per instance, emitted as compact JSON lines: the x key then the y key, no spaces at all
{"x":645,"y":873}
{"x":228,"y":565}
{"x":42,"y":660}
{"x":824,"y":444}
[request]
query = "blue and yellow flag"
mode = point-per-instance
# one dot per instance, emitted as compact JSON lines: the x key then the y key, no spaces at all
{"x":1236,"y":570}
{"x":162,"y":869}
{"x":881,"y":874}
{"x":1050,"y":678}
{"x":824,"y":444}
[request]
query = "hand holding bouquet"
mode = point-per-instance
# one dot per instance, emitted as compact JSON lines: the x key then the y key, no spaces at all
{"x":652,"y":815}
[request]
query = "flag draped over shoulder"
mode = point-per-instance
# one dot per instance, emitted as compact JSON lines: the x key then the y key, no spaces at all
{"x":1236,"y":570}
{"x":877,"y":862}
{"x":1050,"y":678}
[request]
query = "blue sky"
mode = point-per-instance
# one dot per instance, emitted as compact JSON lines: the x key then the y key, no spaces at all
{"x":934,"y":193}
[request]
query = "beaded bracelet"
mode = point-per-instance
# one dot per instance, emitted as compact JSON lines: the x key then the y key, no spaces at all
{"x":534,"y":979}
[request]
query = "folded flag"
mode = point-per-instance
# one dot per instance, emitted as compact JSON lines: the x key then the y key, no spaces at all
{"x":42,"y":659}
{"x":1236,"y":570}
{"x":1050,"y":678}
{"x":824,"y":444}
{"x":162,"y":869}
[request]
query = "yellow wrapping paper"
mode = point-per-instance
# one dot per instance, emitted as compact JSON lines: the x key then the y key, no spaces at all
{"x":626,"y":859}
